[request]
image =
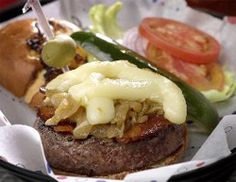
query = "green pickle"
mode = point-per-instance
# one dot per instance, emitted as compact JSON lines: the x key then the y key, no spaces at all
{"x":59,"y":51}
{"x":199,"y":109}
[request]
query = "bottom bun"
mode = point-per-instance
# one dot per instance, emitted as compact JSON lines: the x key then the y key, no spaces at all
{"x":107,"y":158}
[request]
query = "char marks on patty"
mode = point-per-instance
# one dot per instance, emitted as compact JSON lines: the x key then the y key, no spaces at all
{"x":99,"y":156}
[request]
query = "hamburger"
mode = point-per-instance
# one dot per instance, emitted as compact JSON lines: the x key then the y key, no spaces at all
{"x":22,"y":71}
{"x":111,"y":118}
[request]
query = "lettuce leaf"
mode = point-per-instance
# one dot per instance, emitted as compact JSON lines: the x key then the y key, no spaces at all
{"x":104,"y":20}
{"x":226,"y":93}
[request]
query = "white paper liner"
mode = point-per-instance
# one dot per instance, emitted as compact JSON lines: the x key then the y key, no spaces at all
{"x":21,"y":145}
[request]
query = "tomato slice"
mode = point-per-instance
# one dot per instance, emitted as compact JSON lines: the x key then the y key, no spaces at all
{"x":201,"y":77}
{"x":180,"y":40}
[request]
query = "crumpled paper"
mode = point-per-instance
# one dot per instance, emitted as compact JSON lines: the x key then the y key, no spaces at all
{"x":217,"y":146}
{"x":21,"y":145}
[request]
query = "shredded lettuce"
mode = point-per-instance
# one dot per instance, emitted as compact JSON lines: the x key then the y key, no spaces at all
{"x":226,"y":93}
{"x":104,"y":20}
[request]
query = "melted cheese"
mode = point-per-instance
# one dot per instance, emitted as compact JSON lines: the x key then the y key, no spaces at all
{"x":95,"y":85}
{"x":34,"y":88}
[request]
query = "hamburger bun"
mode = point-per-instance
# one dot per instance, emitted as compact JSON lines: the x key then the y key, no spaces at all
{"x":21,"y":66}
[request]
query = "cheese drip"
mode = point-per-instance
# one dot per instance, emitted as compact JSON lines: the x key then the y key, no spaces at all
{"x":95,"y":85}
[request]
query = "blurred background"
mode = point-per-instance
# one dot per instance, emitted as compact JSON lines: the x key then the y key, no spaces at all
{"x":215,"y":7}
{"x":12,"y":8}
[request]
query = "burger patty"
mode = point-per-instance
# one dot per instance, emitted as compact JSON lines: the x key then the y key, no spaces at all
{"x":101,"y":157}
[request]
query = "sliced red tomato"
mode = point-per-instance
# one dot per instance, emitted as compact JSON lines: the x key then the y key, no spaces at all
{"x":202,"y":77}
{"x":180,"y":40}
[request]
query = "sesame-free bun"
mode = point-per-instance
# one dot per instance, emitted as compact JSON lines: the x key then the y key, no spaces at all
{"x":20,"y":60}
{"x":17,"y":69}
